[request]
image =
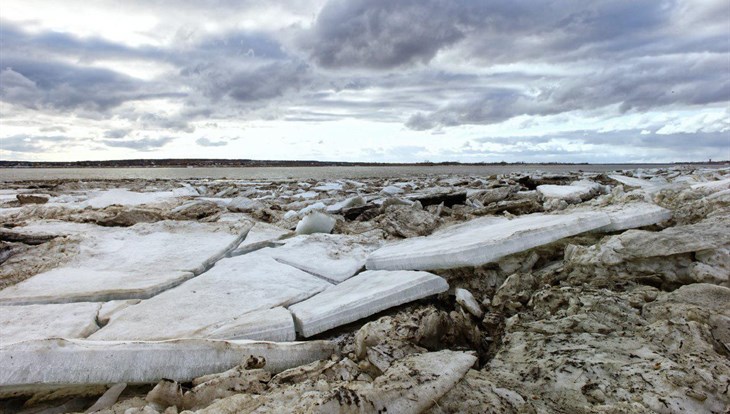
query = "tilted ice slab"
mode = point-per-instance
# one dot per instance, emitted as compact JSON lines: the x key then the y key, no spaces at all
{"x":633,"y":215}
{"x":333,"y":257}
{"x":361,"y":296}
{"x":59,"y":362}
{"x":68,"y":320}
{"x":232,"y":288}
{"x":261,"y":235}
{"x":483,"y":243}
{"x":638,"y":182}
{"x":128,"y":263}
{"x":718,"y":185}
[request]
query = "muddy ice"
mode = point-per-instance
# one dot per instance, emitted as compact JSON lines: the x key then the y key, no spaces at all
{"x":525,"y":293}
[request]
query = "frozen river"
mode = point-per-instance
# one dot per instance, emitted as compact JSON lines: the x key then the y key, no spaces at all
{"x":297,"y":173}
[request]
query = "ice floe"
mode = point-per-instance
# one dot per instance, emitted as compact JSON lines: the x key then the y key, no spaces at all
{"x":365,"y":294}
{"x":232,"y":288}
{"x":129,"y":263}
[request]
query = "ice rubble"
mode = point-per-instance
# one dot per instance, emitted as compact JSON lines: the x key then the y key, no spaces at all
{"x":231,"y":289}
{"x":135,"y":262}
{"x":365,"y":294}
{"x":59,"y":362}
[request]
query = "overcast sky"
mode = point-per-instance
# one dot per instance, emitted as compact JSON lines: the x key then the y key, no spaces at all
{"x":366,"y":80}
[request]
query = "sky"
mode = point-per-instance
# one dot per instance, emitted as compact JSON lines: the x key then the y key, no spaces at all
{"x":366,"y":80}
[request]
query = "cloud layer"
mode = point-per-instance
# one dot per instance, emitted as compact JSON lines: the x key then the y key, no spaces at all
{"x":195,"y":74}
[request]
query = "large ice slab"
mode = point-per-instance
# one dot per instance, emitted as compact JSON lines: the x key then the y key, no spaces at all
{"x":232,"y":288}
{"x":125,"y":197}
{"x":128,"y":263}
{"x":334,"y":257}
{"x":633,"y":215}
{"x":59,"y":362}
{"x":564,"y":192}
{"x":483,"y":242}
{"x":711,"y":186}
{"x":363,"y":295}
{"x":69,"y":320}
{"x":638,"y":182}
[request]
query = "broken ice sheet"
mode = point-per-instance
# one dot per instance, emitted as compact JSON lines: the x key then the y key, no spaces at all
{"x":232,"y":288}
{"x":334,"y":257}
{"x":128,"y":263}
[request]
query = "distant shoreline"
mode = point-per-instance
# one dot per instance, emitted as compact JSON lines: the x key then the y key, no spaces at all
{"x":234,"y":163}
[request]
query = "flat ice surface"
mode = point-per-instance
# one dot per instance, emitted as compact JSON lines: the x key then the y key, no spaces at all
{"x":334,"y":257}
{"x":128,"y":263}
{"x":363,"y":295}
{"x":125,"y":197}
{"x":57,"y":362}
{"x":68,"y":320}
{"x":477,"y":244}
{"x":633,"y":215}
{"x":232,"y":288}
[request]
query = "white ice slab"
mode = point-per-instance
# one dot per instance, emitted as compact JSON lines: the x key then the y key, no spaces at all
{"x":328,"y":187}
{"x":125,"y":197}
{"x":58,"y":362}
{"x":334,"y":257}
{"x":130,"y":263}
{"x":637,"y":182}
{"x":232,"y":288}
{"x":718,"y":185}
{"x":347,"y":203}
{"x":275,"y":324}
{"x":70,"y":320}
{"x":483,"y":243}
{"x":564,"y":192}
{"x":630,"y":216}
{"x":363,"y":295}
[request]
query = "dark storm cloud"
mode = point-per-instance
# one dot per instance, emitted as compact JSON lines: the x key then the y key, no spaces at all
{"x":639,"y":85}
{"x":387,"y":34}
{"x":141,"y":144}
{"x":382,"y":33}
